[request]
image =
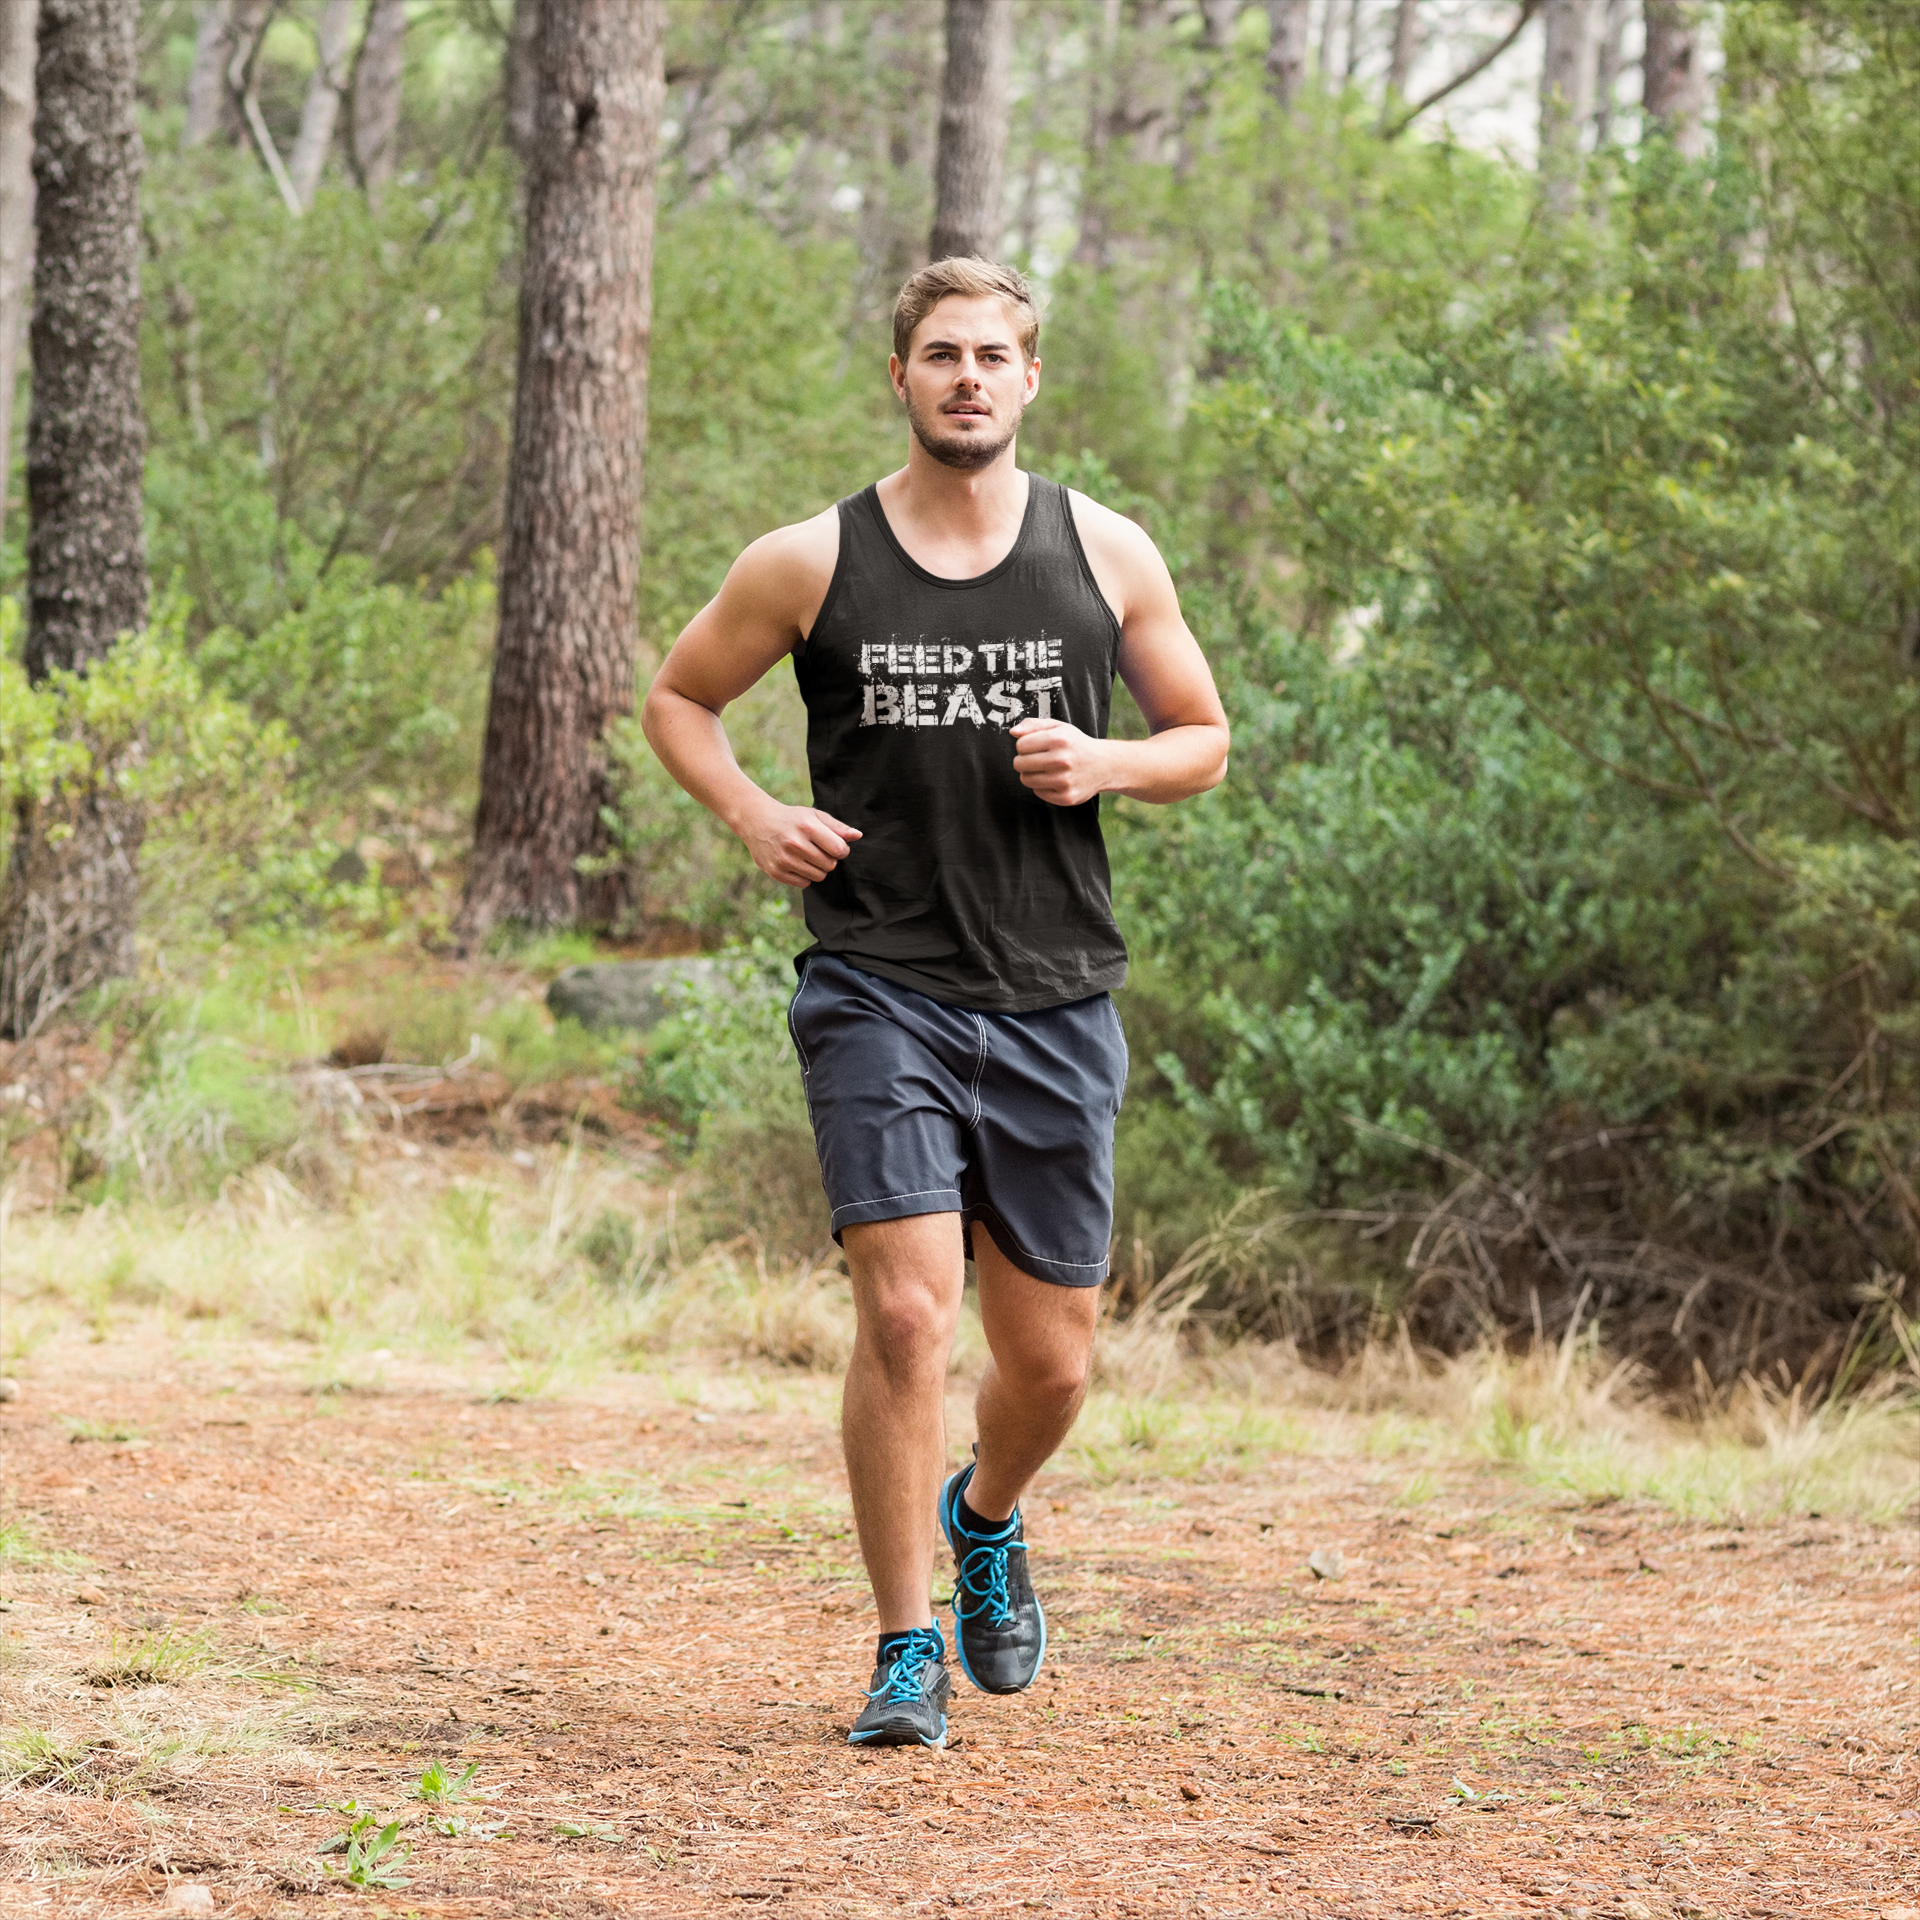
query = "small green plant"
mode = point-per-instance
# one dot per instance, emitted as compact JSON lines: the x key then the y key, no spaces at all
{"x":586,"y":1830}
{"x":373,"y":1853}
{"x":439,"y":1787}
{"x":17,"y":1546}
{"x":1141,"y":1426}
{"x":109,"y":1432}
{"x":34,"y":1758}
{"x":152,"y":1660}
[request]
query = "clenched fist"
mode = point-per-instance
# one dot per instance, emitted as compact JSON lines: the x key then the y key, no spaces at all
{"x":797,"y":845}
{"x":1058,"y":762}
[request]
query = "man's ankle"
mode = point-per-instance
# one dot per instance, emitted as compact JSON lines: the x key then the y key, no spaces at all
{"x":972,"y":1521}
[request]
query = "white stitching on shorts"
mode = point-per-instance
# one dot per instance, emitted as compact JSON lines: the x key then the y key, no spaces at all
{"x":886,"y":1199}
{"x":979,"y":1069}
{"x":918,"y":1193}
{"x":806,"y":1066}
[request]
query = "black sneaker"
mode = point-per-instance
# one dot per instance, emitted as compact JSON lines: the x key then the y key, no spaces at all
{"x":907,"y":1703}
{"x":998,"y":1626}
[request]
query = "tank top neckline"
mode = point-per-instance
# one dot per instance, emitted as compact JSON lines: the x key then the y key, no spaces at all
{"x":913,"y":566}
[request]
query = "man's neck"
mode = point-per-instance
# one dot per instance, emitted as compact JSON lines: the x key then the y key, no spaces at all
{"x":962,"y":503}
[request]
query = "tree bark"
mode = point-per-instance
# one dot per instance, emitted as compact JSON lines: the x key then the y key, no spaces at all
{"x":1286,"y":48}
{"x":207,"y":80}
{"x":19,"y":21}
{"x":523,"y":75}
{"x":1217,"y":18}
{"x":1609,"y":64}
{"x":1406,"y":48}
{"x":321,"y":109}
{"x":1673,"y":75}
{"x":86,"y":434}
{"x":967,"y":214}
{"x":376,"y":96}
{"x":570,"y":561}
{"x":68,"y":917}
{"x":1566,"y":99}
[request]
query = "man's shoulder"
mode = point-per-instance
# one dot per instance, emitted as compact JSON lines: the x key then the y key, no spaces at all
{"x":1125,"y":540}
{"x":787,"y":571}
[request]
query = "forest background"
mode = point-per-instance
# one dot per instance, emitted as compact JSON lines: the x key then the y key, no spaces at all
{"x":1545,"y":501}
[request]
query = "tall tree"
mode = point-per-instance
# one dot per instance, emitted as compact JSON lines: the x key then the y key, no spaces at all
{"x":1406,"y":47}
{"x":1609,"y":64}
{"x":67,"y":919}
{"x":570,"y":559}
{"x":522,"y":74}
{"x":967,"y":214}
{"x":1673,"y":75}
{"x":1286,"y":48}
{"x":207,"y":79}
{"x":1566,"y":98}
{"x":320,"y":111}
{"x":18,"y":23}
{"x":376,"y":96}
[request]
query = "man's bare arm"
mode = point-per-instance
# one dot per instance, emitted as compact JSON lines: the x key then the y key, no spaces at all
{"x":769,"y":598}
{"x":1164,"y":670}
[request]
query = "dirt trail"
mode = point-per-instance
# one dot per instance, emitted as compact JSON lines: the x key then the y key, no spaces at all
{"x":645,"y":1622}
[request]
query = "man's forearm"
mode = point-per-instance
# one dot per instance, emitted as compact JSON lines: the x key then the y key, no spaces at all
{"x":1174,"y":764}
{"x":692,"y":745}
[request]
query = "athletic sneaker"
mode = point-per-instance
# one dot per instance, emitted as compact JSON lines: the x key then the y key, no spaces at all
{"x":907,"y":1703}
{"x":998,"y":1626}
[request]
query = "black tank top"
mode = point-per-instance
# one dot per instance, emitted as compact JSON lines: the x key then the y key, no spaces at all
{"x":965,"y":886}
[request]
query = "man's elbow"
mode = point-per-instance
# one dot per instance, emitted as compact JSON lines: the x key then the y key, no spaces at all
{"x":653,"y":711}
{"x":1218,"y":771}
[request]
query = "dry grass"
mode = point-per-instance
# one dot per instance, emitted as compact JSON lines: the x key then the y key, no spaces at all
{"x":539,"y":1280}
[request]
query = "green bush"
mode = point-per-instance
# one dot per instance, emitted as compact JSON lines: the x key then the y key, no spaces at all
{"x":226,"y":844}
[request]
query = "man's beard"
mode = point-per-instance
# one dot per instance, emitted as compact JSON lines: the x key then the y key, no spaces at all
{"x":967,"y":452}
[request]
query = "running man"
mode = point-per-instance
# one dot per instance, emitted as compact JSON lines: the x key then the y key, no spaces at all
{"x":955,"y":631}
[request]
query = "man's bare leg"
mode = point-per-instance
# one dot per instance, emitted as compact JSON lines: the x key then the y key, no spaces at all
{"x":1041,"y":1339}
{"x":907,"y":1278}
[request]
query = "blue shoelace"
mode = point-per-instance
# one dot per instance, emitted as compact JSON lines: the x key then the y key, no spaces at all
{"x":982,"y":1586}
{"x":901,"y":1687}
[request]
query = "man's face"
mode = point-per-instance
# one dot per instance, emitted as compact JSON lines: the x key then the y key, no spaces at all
{"x":964,"y":383}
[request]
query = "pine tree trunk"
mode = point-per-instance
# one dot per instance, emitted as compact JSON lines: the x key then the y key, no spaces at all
{"x":86,"y":434}
{"x":1609,"y":64}
{"x":376,"y":96}
{"x":19,"y":20}
{"x":1286,"y":48}
{"x":320,"y":111}
{"x":1673,"y":75}
{"x":1406,"y":47}
{"x":570,"y":560}
{"x":523,"y":75}
{"x":967,"y":216}
{"x":1566,"y":99}
{"x":207,"y":79}
{"x":67,"y":920}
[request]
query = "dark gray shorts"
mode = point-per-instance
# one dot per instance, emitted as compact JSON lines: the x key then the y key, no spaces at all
{"x":919,"y":1107}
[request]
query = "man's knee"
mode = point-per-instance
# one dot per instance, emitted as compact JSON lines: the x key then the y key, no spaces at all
{"x":907,"y":1327}
{"x":1054,"y":1376}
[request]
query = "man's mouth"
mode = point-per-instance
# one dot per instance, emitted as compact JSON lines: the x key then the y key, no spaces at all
{"x":967,"y":409}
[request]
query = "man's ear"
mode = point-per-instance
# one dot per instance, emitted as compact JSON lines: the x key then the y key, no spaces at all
{"x":897,"y":374}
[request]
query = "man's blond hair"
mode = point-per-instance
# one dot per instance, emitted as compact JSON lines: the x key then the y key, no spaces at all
{"x":975,"y":279}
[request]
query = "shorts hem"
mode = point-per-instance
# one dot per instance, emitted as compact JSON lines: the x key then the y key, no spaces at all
{"x":1058,"y":1273}
{"x":895,"y":1206}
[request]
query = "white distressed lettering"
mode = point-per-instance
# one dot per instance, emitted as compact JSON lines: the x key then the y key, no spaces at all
{"x":961,"y":705}
{"x":1043,"y":692}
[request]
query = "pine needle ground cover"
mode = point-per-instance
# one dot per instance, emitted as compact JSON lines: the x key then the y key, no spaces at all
{"x":409,"y":1641}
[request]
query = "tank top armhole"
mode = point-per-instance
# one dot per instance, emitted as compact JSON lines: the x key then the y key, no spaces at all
{"x":833,"y":585}
{"x":1086,"y":571}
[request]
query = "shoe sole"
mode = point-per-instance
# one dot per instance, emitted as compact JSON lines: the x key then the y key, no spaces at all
{"x":887,"y":1737}
{"x":947,"y":1495}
